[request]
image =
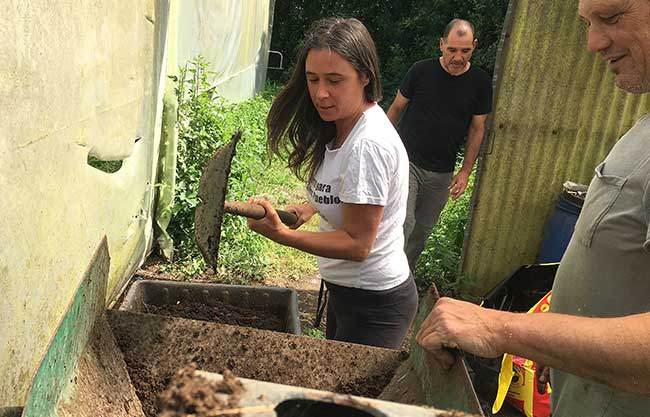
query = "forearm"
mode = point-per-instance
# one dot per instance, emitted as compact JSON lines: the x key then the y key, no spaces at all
{"x":611,"y":351}
{"x":396,"y":108}
{"x":353,"y":241}
{"x":472,"y":149}
{"x":394,"y":114}
{"x":338,"y":244}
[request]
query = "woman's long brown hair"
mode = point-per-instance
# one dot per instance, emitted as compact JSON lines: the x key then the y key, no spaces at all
{"x":295,"y":128}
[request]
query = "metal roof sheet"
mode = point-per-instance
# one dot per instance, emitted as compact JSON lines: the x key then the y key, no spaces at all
{"x":557,"y":114}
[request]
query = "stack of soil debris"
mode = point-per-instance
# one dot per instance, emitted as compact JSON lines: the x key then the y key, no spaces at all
{"x":192,"y":394}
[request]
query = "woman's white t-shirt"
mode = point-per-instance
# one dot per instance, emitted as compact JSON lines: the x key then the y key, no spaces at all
{"x":371,"y":167}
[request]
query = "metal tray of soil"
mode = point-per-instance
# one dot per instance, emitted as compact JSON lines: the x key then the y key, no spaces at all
{"x":265,"y":308}
{"x":156,"y":347}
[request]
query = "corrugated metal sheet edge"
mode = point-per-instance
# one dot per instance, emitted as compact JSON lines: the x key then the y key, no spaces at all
{"x":488,"y":141}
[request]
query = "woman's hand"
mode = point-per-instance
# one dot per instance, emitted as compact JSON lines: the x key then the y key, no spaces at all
{"x":270,"y":225}
{"x":304,"y":212}
{"x":353,"y":242}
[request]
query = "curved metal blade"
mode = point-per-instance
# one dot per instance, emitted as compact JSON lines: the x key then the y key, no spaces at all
{"x":212,"y":194}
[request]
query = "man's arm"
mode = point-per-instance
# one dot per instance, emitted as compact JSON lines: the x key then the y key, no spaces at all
{"x":396,"y":109}
{"x":612,"y":351}
{"x":475,"y":135}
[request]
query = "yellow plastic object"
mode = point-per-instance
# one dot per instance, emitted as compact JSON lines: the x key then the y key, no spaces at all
{"x":522,"y":389}
{"x":505,"y":377}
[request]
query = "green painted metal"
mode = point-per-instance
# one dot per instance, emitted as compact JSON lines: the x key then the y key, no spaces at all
{"x":557,"y":114}
{"x":70,"y":339}
{"x":446,"y":390}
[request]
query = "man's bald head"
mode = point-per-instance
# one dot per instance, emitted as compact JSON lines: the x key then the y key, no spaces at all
{"x":460,"y":27}
{"x":457,"y":45}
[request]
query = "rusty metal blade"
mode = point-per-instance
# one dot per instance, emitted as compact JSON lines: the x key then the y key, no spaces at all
{"x":212,"y":194}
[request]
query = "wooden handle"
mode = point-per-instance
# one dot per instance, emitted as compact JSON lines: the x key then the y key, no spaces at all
{"x":255,"y":211}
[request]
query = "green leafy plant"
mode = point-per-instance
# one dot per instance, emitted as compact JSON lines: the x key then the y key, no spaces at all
{"x":316,"y":333}
{"x":440,"y":259}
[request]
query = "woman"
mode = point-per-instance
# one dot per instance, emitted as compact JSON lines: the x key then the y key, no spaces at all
{"x":328,"y":122}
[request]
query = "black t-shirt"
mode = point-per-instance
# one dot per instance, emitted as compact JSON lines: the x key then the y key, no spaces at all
{"x":439,"y":112}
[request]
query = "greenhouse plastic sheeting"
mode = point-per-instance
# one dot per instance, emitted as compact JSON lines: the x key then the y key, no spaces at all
{"x":233,"y":36}
{"x":80,"y":80}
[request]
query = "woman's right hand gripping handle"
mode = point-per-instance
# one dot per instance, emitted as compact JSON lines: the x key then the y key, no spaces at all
{"x":304,"y":212}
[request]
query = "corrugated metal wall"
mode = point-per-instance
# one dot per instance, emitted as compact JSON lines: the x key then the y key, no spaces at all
{"x":557,"y":114}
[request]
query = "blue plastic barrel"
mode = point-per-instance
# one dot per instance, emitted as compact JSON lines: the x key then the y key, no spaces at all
{"x":559,"y":228}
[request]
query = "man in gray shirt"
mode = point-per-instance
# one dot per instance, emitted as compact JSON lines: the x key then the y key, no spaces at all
{"x":596,"y":338}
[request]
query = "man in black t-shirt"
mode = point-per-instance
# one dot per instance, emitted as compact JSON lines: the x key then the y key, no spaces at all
{"x":448,"y":99}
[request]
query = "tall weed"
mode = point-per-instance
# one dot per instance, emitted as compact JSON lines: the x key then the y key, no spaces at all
{"x":441,"y":256}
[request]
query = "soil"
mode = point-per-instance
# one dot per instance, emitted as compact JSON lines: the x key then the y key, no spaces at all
{"x":307,"y":289}
{"x":219,"y":312}
{"x":192,"y":394}
{"x":313,"y":367}
{"x":100,"y":385}
{"x":147,"y":387}
{"x":155,"y":347}
{"x":369,"y":387}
